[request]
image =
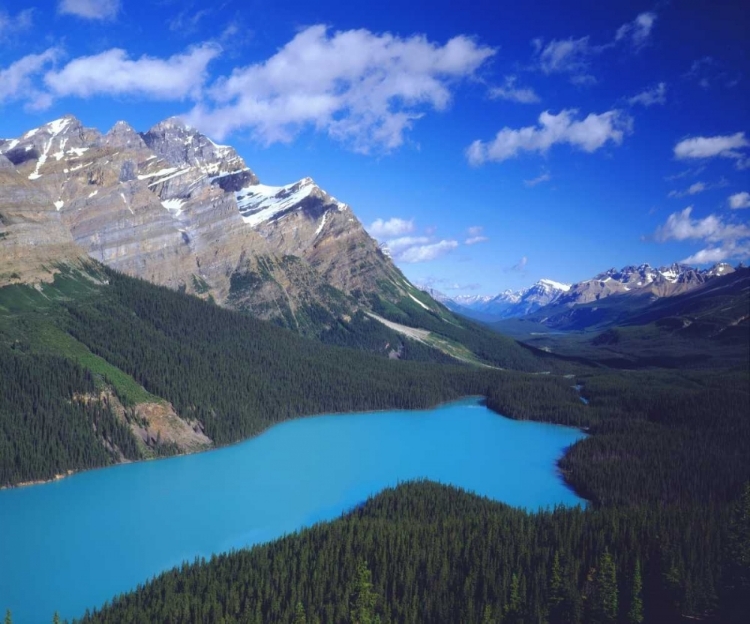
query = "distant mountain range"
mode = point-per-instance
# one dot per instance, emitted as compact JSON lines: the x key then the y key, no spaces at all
{"x":548,"y":298}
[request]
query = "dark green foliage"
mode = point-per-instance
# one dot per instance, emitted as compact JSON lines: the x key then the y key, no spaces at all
{"x":635,"y":611}
{"x":603,"y":601}
{"x":238,"y":375}
{"x":436,"y":555}
{"x":736,"y":575}
{"x":47,"y":424}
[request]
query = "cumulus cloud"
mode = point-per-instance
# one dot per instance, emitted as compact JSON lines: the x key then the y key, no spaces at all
{"x":90,"y":9}
{"x":638,"y":31}
{"x":361,"y":88}
{"x":589,"y":135}
{"x":739,"y":200}
{"x":426,"y":252}
{"x":113,"y":73}
{"x":649,"y":97}
{"x":513,"y":93}
{"x":17,"y":81}
{"x":726,"y":240}
{"x":393,"y":227}
{"x":542,"y":177}
{"x":722,"y":146}
{"x":475,"y":235}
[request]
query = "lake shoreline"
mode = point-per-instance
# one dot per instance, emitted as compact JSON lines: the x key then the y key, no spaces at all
{"x":480,"y":398}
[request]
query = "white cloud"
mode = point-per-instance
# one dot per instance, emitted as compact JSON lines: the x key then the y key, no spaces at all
{"x":114,"y":73}
{"x":649,"y":97}
{"x":13,"y":24}
{"x":427,"y":252}
{"x":393,"y":227}
{"x":90,"y":9}
{"x":520,"y":266}
{"x":739,"y":200}
{"x":475,"y":235}
{"x":574,"y":55}
{"x":589,"y":134}
{"x":542,"y":177}
{"x":723,"y":146}
{"x":361,"y":88}
{"x":564,"y":55}
{"x":638,"y":31}
{"x":17,"y":80}
{"x":693,"y":189}
{"x":187,"y":21}
{"x":726,"y":240}
{"x":522,"y":95}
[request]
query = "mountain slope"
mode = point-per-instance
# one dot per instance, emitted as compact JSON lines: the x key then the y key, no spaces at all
{"x":174,"y":208}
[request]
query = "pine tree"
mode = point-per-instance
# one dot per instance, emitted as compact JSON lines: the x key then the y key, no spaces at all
{"x":555,"y":591}
{"x":299,"y":614}
{"x":8,"y":617}
{"x":514,"y":609}
{"x":635,"y":613}
{"x":56,"y":618}
{"x":363,"y":607}
{"x":737,"y":572}
{"x":604,"y":598}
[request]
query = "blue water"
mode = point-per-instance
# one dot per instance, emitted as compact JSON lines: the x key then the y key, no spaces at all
{"x":80,"y":541}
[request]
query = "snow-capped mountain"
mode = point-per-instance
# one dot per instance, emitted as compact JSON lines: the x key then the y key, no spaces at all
{"x":548,"y":295}
{"x":508,"y":303}
{"x":173,"y":207}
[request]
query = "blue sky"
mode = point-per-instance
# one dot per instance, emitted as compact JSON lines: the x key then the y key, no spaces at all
{"x":489,"y":144}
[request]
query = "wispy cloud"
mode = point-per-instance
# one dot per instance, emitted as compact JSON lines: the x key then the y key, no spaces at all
{"x":414,"y":249}
{"x":188,"y":20}
{"x":723,"y":146}
{"x":361,"y":88}
{"x":589,"y":135}
{"x":393,"y":227}
{"x":475,"y":235}
{"x":698,"y":187}
{"x":574,"y":56}
{"x":14,"y":24}
{"x":739,"y":200}
{"x":725,"y":239}
{"x":649,"y":97}
{"x":638,"y":31}
{"x":520,"y":266}
{"x":90,"y":9}
{"x":513,"y":93}
{"x":542,"y":177}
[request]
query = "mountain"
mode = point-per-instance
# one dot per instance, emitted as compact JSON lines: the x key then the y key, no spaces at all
{"x":174,"y":208}
{"x":508,"y":304}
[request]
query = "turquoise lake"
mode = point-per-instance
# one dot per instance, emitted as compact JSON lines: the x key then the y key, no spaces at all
{"x":74,"y":543}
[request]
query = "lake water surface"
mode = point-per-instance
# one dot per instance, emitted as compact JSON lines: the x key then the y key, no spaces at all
{"x":75,"y":543}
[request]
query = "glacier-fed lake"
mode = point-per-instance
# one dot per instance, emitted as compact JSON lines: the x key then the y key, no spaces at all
{"x":75,"y":543}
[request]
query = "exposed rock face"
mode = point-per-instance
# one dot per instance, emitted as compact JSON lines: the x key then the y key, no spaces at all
{"x":34,"y":241}
{"x":173,"y":207}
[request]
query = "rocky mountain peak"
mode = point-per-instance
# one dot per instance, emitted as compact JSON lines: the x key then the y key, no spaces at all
{"x":123,"y":136}
{"x":183,"y":146}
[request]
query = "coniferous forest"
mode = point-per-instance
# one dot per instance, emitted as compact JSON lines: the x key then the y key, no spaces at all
{"x":665,"y":537}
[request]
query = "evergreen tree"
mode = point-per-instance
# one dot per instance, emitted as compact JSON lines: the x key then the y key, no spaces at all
{"x":299,"y":614}
{"x":363,"y":600}
{"x":514,"y":611}
{"x":635,"y":613}
{"x":556,"y":591}
{"x":8,"y":617}
{"x":603,"y":603}
{"x":737,"y":572}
